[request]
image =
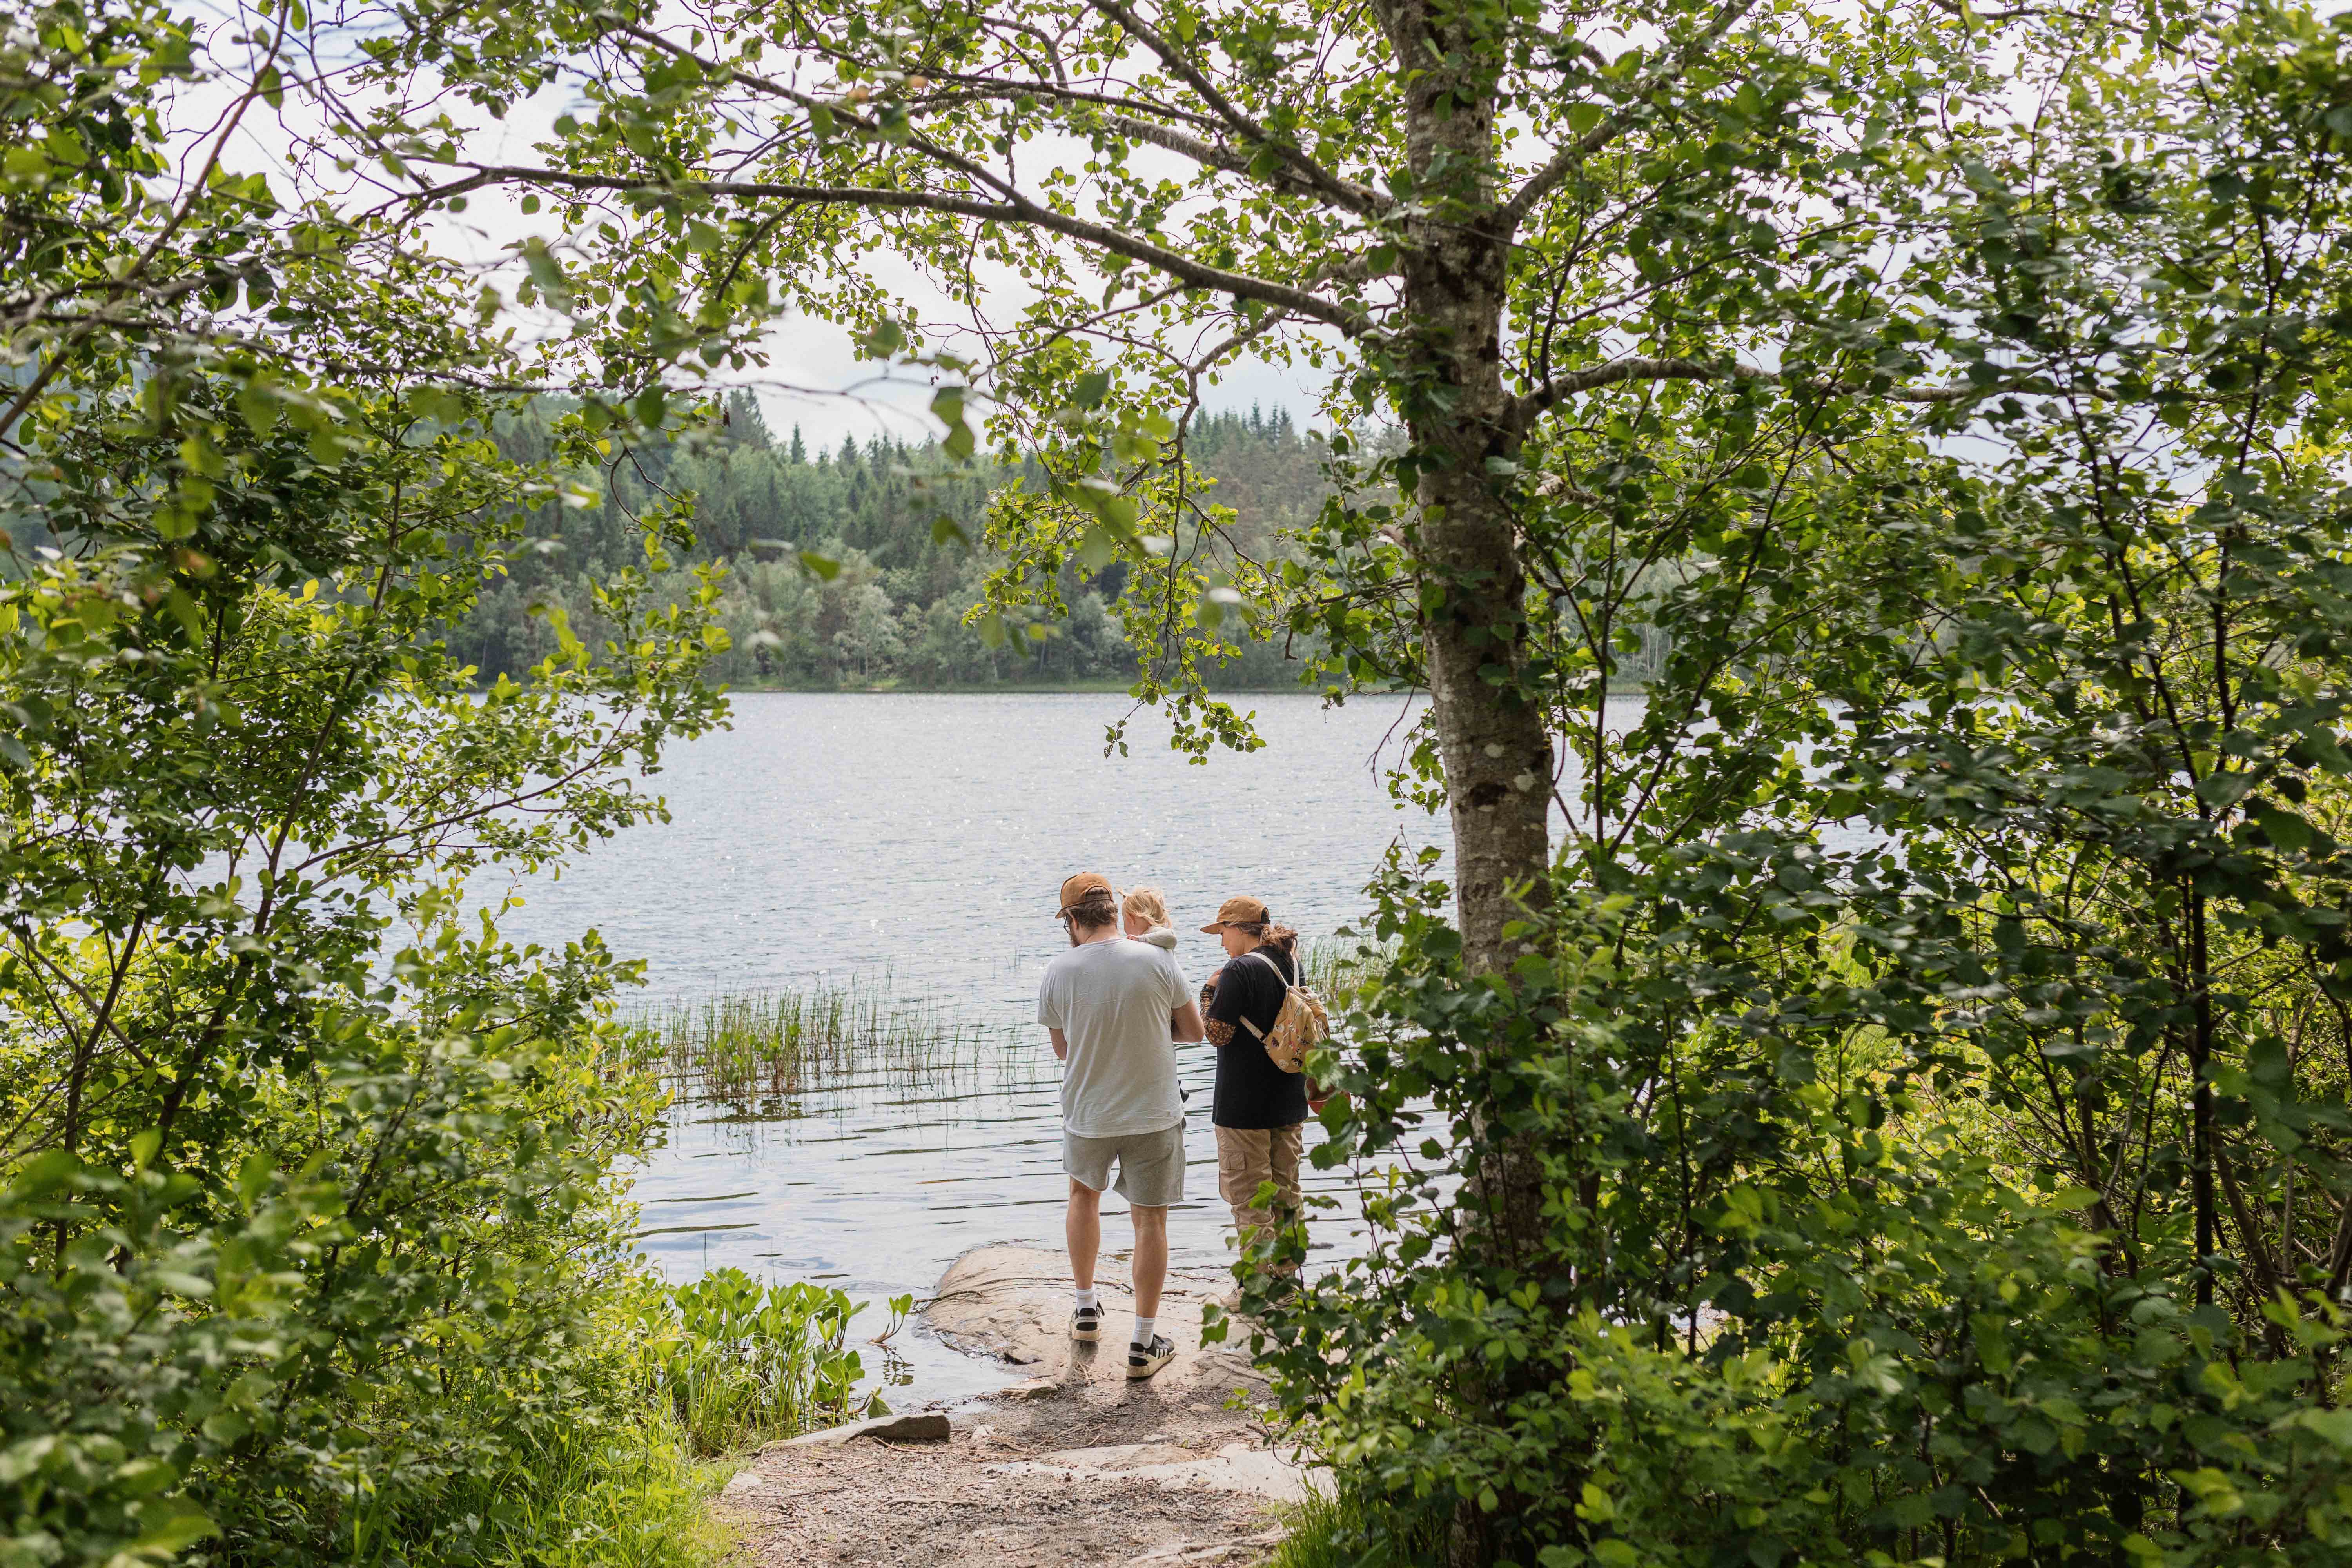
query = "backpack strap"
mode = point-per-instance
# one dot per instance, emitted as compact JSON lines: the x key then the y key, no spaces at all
{"x":1259,"y":954}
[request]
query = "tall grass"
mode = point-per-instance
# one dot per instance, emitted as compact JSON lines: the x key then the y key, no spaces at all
{"x":1333,"y":1530}
{"x":718,"y":1366}
{"x":1331,"y":966}
{"x":631,"y":1497}
{"x":747,"y":1046}
{"x":735,"y":1362}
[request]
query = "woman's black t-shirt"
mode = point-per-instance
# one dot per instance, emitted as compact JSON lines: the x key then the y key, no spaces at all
{"x":1251,"y":1090}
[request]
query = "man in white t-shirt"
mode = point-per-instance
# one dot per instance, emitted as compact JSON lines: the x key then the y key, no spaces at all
{"x":1114,"y":1009}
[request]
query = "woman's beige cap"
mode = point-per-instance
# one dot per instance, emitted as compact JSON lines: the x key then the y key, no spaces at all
{"x":1076,"y":889}
{"x":1241,"y":911}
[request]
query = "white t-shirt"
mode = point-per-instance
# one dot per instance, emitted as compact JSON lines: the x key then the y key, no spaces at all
{"x":1113,"y":1002}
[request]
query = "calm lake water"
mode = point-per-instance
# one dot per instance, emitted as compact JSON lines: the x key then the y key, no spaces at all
{"x":827,"y":837}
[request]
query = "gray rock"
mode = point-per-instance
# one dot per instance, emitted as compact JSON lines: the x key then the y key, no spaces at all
{"x":917,"y":1426}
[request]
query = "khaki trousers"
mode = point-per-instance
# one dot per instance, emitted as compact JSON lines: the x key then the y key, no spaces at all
{"x":1249,"y":1157}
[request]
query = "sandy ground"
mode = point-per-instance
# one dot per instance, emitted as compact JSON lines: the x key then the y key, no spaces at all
{"x":1077,"y":1465}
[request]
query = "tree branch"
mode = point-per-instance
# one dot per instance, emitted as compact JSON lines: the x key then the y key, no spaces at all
{"x":1017,"y":209}
{"x":1347,"y":193}
{"x":1548,"y":178}
{"x":1638,"y":368}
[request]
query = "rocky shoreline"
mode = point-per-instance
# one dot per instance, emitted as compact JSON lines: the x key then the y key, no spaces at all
{"x":1075,"y":1466}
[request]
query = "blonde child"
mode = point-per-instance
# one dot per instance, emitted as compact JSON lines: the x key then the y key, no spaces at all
{"x":1143,"y":916}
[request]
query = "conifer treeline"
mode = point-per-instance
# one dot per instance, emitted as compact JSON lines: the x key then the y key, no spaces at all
{"x":894,"y":615}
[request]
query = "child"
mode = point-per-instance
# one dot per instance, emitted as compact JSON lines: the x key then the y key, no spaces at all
{"x":1143,"y":915}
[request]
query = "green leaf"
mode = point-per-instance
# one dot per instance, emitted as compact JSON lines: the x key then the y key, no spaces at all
{"x":948,"y":408}
{"x":823,"y":566}
{"x":166,"y":1530}
{"x":1096,"y":548}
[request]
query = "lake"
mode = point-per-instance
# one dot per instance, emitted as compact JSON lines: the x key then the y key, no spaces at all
{"x":925,"y":835}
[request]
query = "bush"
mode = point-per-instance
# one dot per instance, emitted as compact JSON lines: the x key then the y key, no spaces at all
{"x":1781,"y":1315}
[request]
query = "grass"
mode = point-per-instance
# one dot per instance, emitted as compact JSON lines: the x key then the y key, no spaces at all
{"x":1333,"y":965}
{"x":1318,"y":1532}
{"x":747,"y":1046}
{"x":635,"y":1496}
{"x":722,"y":1365}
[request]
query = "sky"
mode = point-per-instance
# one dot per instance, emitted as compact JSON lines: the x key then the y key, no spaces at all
{"x":814,"y":380}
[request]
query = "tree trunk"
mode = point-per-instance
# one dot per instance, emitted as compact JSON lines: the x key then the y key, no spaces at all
{"x":1492,"y":734}
{"x":1494,"y":740}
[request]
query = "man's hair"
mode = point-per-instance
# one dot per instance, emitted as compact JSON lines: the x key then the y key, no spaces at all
{"x":1094,"y":910}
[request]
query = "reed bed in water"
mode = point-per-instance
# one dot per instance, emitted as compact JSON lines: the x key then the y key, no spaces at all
{"x":753,"y":1044}
{"x":1331,"y":966}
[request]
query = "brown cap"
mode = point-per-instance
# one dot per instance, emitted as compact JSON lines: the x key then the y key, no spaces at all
{"x":1241,"y":911}
{"x":1075,"y":890}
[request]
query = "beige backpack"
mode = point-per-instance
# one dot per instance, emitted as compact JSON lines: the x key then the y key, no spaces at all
{"x":1299,"y":1027}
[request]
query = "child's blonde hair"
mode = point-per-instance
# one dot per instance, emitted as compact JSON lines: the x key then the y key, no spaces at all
{"x":1148,"y":902}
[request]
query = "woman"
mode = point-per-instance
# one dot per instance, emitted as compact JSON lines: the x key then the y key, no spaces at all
{"x":1260,"y":1111}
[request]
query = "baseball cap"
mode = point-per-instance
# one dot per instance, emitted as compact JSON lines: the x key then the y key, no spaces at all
{"x":1240,"y":912}
{"x":1076,"y":889}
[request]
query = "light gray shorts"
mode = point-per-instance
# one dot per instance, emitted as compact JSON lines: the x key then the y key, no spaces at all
{"x":1150,"y":1164}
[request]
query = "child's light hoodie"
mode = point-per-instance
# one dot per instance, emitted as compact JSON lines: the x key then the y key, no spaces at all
{"x":1162,"y":937}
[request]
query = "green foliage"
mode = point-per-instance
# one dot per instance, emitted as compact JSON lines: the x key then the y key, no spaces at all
{"x":310,"y":1232}
{"x":901,"y":583}
{"x":626,"y":1496}
{"x":739,"y":1363}
{"x":1911,"y":1125}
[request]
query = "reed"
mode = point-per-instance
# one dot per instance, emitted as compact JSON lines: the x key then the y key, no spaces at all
{"x":1333,"y":966}
{"x":753,"y":1044}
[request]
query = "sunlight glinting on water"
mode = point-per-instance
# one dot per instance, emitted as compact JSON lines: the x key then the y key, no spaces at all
{"x":827,"y":837}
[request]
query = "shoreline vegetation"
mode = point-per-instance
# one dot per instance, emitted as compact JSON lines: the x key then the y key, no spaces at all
{"x":773,"y":1042}
{"x":1105,"y":685}
{"x":738,"y":1045}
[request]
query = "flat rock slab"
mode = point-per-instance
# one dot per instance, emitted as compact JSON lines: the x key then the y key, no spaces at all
{"x":1075,"y":1467}
{"x":1012,"y":1304}
{"x":1245,"y":1468}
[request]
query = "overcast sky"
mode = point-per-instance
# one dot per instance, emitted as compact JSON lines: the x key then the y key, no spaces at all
{"x":815,"y":379}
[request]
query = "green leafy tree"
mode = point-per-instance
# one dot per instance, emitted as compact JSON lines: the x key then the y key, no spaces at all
{"x":1912,"y":1064}
{"x":307,"y":1212}
{"x":1935,"y":1055}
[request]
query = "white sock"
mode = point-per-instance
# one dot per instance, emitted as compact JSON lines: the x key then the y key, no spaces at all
{"x":1086,"y":1298}
{"x":1144,"y":1328}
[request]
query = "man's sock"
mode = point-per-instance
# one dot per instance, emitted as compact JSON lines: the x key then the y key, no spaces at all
{"x":1144,"y":1328}
{"x":1087,"y":1298}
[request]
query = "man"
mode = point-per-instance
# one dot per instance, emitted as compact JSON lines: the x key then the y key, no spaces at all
{"x":1112,"y":1009}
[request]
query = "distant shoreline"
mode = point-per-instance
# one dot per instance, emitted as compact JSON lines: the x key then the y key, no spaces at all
{"x":1026,"y":689}
{"x":1068,"y":689}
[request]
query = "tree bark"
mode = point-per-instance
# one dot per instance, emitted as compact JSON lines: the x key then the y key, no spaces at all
{"x":1492,"y":734}
{"x":1493,"y":738}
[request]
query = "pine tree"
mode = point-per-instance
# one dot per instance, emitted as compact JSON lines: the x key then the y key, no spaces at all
{"x":745,"y":423}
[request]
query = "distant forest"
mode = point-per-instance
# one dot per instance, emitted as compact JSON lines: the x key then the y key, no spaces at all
{"x":894,"y":614}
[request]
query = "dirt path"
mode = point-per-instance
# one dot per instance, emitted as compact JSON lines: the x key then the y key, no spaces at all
{"x":1075,"y":1466}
